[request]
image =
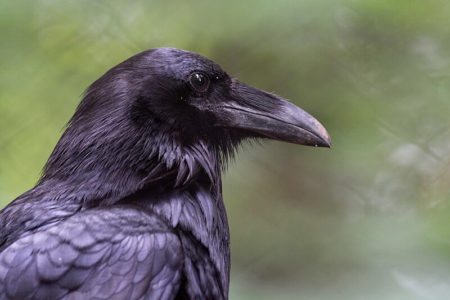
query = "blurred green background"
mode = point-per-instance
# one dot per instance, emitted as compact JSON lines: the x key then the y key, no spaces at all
{"x":368,"y":219}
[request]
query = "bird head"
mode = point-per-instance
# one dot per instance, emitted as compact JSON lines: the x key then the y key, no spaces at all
{"x":193,"y":98}
{"x":173,"y":107}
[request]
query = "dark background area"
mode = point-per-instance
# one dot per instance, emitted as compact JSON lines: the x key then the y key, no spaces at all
{"x":368,"y":219}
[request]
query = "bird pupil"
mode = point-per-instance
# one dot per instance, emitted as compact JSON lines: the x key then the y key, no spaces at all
{"x":199,"y":78}
{"x":199,"y":82}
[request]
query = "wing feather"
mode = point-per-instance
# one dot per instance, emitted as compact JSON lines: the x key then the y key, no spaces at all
{"x":115,"y":253}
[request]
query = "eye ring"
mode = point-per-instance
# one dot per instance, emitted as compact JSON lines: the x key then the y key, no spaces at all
{"x":199,"y":82}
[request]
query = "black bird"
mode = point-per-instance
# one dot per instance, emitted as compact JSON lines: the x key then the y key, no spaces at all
{"x":130,"y":205}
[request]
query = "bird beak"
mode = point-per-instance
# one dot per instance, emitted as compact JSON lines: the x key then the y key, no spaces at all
{"x":271,"y":116}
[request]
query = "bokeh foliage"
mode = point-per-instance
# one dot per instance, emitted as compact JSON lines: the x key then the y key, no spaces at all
{"x":369,"y":219}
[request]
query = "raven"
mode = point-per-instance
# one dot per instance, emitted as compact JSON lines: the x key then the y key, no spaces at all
{"x":130,"y":205}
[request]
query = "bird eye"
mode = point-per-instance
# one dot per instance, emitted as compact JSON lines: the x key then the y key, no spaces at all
{"x":199,"y":82}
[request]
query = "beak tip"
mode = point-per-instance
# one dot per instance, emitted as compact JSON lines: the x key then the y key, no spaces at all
{"x":322,"y":135}
{"x":324,"y":142}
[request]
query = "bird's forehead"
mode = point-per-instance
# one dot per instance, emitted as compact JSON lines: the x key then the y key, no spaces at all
{"x":180,"y":63}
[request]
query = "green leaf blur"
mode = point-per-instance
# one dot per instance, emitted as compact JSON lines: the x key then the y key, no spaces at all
{"x":368,"y":219}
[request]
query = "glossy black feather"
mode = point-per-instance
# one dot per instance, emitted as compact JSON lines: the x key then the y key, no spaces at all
{"x":99,"y":253}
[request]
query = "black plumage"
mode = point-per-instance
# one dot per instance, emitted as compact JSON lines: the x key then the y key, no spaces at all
{"x":129,"y":205}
